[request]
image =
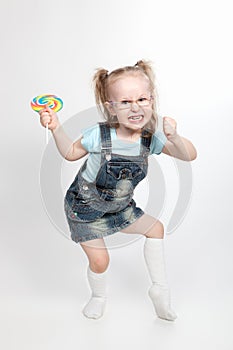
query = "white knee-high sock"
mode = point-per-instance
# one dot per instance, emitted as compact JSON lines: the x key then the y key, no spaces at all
{"x":159,"y":291}
{"x":96,"y":305}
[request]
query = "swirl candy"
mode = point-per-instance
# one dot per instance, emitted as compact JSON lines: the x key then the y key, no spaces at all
{"x":39,"y":102}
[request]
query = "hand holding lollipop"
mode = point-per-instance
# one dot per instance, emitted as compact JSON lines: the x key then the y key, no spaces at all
{"x":47,"y":106}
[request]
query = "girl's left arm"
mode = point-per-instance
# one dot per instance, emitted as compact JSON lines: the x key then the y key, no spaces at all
{"x":176,"y":145}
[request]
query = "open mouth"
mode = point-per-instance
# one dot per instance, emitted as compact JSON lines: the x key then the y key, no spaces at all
{"x":136,"y":118}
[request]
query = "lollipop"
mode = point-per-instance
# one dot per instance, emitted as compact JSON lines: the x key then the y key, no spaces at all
{"x":38,"y":103}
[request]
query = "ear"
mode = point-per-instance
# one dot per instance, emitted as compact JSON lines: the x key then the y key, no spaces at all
{"x":109,"y":108}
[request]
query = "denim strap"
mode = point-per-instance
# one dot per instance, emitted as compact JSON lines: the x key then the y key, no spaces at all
{"x":106,"y":142}
{"x":145,"y":143}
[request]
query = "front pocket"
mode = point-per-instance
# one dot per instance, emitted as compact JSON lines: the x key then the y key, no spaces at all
{"x":125,"y":170}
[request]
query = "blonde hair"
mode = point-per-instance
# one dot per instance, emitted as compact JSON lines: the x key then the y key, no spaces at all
{"x":102,"y":79}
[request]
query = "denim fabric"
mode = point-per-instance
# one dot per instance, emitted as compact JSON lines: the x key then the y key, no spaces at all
{"x":100,"y":208}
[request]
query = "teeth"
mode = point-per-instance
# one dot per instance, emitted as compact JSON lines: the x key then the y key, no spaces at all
{"x":136,"y":117}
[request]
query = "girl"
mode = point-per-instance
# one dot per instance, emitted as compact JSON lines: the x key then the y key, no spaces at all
{"x":99,"y":201}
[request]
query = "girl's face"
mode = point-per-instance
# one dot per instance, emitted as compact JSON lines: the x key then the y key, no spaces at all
{"x":130,"y":100}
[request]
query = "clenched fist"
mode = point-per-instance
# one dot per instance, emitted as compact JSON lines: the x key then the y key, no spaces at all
{"x":48,"y":116}
{"x":169,"y":127}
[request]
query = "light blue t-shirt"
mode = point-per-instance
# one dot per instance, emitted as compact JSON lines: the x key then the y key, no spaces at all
{"x":91,"y":141}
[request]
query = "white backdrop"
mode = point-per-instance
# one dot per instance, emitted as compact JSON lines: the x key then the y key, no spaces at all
{"x":54,"y":47}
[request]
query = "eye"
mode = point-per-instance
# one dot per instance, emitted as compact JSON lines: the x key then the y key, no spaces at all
{"x":142,"y":99}
{"x":125,"y":102}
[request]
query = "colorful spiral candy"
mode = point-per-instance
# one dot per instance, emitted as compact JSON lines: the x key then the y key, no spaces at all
{"x":39,"y":102}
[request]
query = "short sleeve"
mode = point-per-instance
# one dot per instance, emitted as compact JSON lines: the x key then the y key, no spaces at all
{"x":157,"y":142}
{"x":91,"y":138}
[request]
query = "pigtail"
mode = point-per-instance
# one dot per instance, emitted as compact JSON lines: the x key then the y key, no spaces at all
{"x":146,"y":67}
{"x":101,"y":81}
{"x":100,"y":88}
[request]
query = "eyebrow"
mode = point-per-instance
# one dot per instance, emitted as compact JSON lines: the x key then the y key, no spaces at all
{"x":128,"y":98}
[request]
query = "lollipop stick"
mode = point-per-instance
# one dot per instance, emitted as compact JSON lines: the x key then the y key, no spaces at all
{"x":47,"y":134}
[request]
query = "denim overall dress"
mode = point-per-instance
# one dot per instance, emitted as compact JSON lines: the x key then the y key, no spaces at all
{"x":105,"y":206}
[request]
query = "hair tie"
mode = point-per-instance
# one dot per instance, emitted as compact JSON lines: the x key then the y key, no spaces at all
{"x":104,"y":73}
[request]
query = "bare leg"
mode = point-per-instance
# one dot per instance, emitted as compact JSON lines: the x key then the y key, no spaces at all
{"x":146,"y":225}
{"x":98,"y":257}
{"x":97,"y":254}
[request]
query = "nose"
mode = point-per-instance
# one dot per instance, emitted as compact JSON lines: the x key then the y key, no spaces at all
{"x":134,"y":106}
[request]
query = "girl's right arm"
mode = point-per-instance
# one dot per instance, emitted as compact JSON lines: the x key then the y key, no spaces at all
{"x":69,"y":150}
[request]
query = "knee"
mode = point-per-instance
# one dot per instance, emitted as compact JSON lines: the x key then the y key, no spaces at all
{"x":99,"y":264}
{"x":157,"y":230}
